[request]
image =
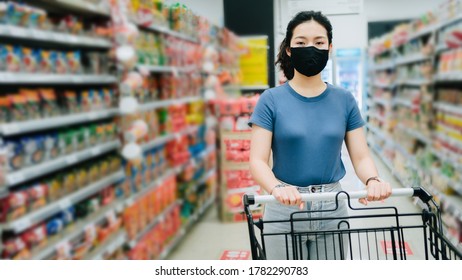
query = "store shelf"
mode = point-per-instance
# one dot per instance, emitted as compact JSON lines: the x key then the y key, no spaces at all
{"x":47,"y":167}
{"x":166,"y":103}
{"x":161,"y":216}
{"x":67,"y":79}
{"x":22,"y":33}
{"x":424,"y":31}
{"x":415,"y":82}
{"x":383,"y":66}
{"x":382,"y":101}
{"x":453,"y":204}
{"x":417,"y":57}
{"x":415,"y":134}
{"x":132,"y":243}
{"x":55,"y":207}
{"x":167,"y":69}
{"x":255,"y":87}
{"x":134,"y":197}
{"x":448,"y":77}
{"x":448,"y":108}
{"x":166,"y":138}
{"x":448,"y":157}
{"x":73,"y":232}
{"x":377,"y":131}
{"x":109,"y":246}
{"x":441,"y":47}
{"x":165,"y":30}
{"x":377,"y":117}
{"x":402,"y":101}
{"x":450,"y":21}
{"x":83,"y":6}
{"x":58,"y":121}
{"x":382,"y":85}
{"x":182,"y":232}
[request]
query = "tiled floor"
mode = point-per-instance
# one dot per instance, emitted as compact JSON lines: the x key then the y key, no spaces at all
{"x":209,"y":238}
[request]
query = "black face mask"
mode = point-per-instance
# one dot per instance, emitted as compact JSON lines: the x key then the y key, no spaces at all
{"x":309,"y":61}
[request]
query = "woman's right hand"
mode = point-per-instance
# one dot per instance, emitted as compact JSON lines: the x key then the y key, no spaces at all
{"x":288,"y":195}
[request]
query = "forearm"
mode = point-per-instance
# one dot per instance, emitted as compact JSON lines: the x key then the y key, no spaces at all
{"x":263,"y":175}
{"x":365,"y":168}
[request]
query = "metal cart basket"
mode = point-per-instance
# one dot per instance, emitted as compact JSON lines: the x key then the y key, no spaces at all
{"x":353,"y":237}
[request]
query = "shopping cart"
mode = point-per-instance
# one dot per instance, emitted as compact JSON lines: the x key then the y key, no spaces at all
{"x":354,"y":237}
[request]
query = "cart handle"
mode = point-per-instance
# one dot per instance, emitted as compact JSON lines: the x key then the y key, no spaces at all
{"x":405,"y":192}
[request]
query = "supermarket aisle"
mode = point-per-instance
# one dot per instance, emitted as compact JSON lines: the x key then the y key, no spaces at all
{"x":209,"y":238}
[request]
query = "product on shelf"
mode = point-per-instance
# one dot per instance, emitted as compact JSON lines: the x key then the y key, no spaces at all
{"x":34,"y":239}
{"x":450,"y":61}
{"x":23,"y":15}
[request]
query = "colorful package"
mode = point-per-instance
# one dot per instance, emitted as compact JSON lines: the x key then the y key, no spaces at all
{"x":32,"y":103}
{"x":37,"y":196}
{"x":49,"y":102}
{"x":71,"y":102}
{"x":13,"y":58}
{"x":5,"y":108}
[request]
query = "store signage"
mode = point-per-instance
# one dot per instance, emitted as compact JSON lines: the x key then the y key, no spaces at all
{"x":388,"y":248}
{"x":235,"y":255}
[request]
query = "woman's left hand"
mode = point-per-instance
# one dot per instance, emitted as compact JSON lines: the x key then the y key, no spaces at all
{"x":376,"y":191}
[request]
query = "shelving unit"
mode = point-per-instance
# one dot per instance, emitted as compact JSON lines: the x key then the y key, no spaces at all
{"x":16,"y":128}
{"x":61,"y":204}
{"x":47,"y":167}
{"x":16,"y":32}
{"x":110,"y":187}
{"x":54,"y":79}
{"x":418,"y":129}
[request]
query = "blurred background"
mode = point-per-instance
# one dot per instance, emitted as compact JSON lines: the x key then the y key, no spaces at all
{"x":124,"y":123}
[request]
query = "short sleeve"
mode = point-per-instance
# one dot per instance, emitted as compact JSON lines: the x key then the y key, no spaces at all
{"x":263,"y":115}
{"x":354,"y":119}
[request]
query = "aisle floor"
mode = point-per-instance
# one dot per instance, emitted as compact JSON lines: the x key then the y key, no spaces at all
{"x":210,"y":237}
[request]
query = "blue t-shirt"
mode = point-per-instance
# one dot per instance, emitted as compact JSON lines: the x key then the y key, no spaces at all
{"x":308,"y":132}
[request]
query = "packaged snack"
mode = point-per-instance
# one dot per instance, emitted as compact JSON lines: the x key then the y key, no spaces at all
{"x":15,"y":13}
{"x":100,"y":133}
{"x":34,"y":150}
{"x":32,"y":103}
{"x":16,"y":205}
{"x":13,"y":58}
{"x":96,"y":99}
{"x":15,"y":248}
{"x":18,"y":108}
{"x":107,"y":96}
{"x":81,"y":177}
{"x":30,"y":60}
{"x":69,"y":182}
{"x":54,"y":226}
{"x":37,"y":196}
{"x":71,"y":103}
{"x":51,"y":146}
{"x":55,"y":190}
{"x":103,"y":168}
{"x":74,"y":62}
{"x":86,"y":101}
{"x":47,"y":58}
{"x":79,"y":134}
{"x":93,"y":135}
{"x":84,"y":134}
{"x":36,"y":237}
{"x":49,"y":102}
{"x":93,"y":173}
{"x":68,"y":216}
{"x":15,"y":154}
{"x":5,"y":107}
{"x":58,"y":60}
{"x":111,"y":131}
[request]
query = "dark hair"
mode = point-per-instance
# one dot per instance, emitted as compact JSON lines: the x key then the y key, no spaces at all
{"x":283,"y":59}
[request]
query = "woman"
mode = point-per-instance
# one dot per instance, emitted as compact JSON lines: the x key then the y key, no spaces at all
{"x":304,"y":123}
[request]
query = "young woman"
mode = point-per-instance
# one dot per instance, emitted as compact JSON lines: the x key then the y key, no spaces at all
{"x":304,"y":123}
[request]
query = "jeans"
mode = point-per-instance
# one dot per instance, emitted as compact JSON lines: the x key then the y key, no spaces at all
{"x":308,"y":242}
